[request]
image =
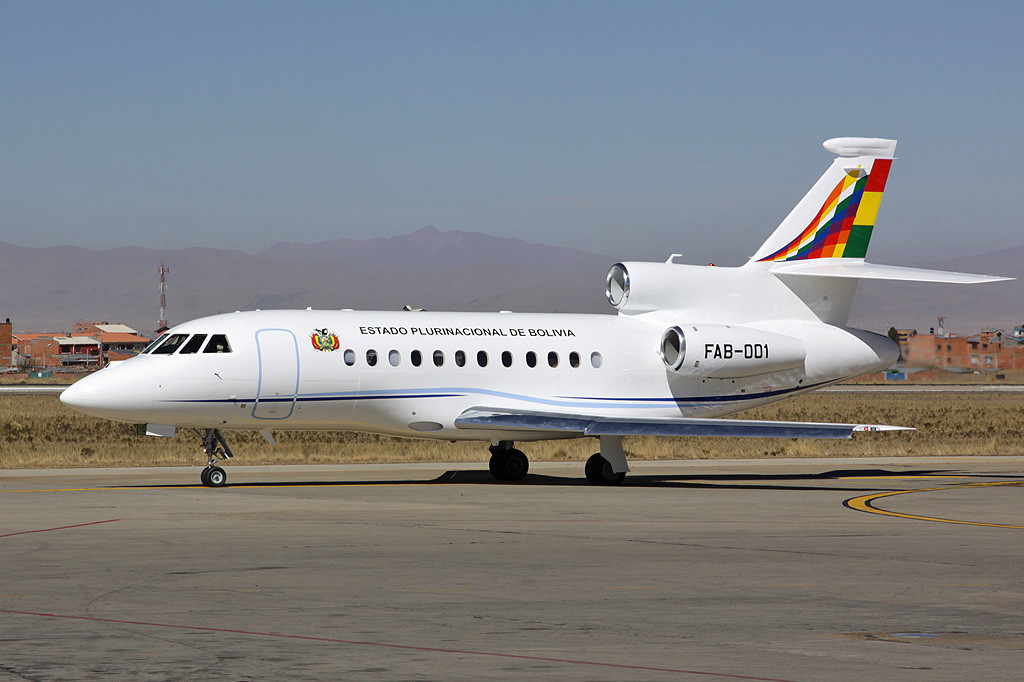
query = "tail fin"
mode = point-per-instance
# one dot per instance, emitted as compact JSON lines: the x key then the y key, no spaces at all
{"x":818,"y":250}
{"x":835,"y":218}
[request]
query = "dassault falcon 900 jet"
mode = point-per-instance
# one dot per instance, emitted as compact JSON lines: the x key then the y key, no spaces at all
{"x":689,"y":345}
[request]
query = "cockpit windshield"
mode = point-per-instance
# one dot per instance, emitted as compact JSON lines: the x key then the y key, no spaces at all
{"x":187,"y":344}
{"x":194,"y":344}
{"x":154,"y":344}
{"x":172,"y":344}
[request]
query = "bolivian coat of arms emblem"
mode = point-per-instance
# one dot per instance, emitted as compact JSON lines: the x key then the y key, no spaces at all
{"x":324,"y":340}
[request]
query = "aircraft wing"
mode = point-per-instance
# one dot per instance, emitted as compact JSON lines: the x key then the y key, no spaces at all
{"x":593,"y":425}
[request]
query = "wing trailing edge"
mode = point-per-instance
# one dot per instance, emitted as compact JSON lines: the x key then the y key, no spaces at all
{"x":592,"y":425}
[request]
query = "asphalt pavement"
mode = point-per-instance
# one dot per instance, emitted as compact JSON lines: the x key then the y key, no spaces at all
{"x":887,"y":569}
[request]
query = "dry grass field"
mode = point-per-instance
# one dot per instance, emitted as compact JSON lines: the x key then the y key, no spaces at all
{"x":37,"y":431}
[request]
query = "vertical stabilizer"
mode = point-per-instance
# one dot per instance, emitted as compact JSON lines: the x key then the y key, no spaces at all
{"x":836,"y":217}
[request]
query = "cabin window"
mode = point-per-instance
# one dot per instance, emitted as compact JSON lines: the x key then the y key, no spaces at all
{"x":595,"y":359}
{"x":194,"y":344}
{"x":218,"y":344}
{"x":481,"y":358}
{"x":371,"y":357}
{"x":350,"y":357}
{"x":154,"y":344}
{"x":531,"y":359}
{"x":574,"y":360}
{"x":460,"y":358}
{"x":172,"y":344}
{"x":506,"y":358}
{"x":552,"y":359}
{"x":395,"y":358}
{"x":438,"y":358}
{"x":416,"y":358}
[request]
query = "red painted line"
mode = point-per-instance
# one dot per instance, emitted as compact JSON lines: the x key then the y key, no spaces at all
{"x":47,"y":530}
{"x":385,"y":645}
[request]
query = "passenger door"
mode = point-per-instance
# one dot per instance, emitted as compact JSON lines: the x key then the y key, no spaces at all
{"x":278,"y":352}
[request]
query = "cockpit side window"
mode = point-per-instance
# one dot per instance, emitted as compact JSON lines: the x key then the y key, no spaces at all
{"x":172,"y":344}
{"x":194,"y":344}
{"x":154,"y":344}
{"x":218,"y":344}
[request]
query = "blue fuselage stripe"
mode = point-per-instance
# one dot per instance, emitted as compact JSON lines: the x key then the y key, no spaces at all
{"x":559,"y":401}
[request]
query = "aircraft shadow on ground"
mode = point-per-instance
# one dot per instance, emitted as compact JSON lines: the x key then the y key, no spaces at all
{"x":737,"y":481}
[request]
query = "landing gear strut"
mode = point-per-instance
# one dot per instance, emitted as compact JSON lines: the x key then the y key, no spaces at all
{"x":608,"y":467}
{"x":217,"y":450}
{"x":507,"y":463}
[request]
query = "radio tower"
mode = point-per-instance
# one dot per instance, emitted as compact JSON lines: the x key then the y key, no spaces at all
{"x":162,"y":324}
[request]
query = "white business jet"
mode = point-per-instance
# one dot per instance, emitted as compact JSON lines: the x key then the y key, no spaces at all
{"x":689,"y":345}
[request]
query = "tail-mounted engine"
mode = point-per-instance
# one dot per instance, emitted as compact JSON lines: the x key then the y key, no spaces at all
{"x":711,"y":350}
{"x":639,"y":287}
{"x":728,"y":351}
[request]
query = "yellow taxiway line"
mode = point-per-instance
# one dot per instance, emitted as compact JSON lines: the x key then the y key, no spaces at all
{"x":865,"y":503}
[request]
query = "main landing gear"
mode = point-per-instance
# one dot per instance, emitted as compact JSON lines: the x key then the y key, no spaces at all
{"x":607,"y":467}
{"x":217,"y":450}
{"x":599,"y":471}
{"x":507,"y":463}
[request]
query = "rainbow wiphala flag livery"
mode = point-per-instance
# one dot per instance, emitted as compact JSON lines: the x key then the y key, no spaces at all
{"x":842,"y":228}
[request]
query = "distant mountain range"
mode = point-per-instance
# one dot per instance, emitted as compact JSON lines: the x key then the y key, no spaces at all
{"x":50,"y":288}
{"x":47,"y":289}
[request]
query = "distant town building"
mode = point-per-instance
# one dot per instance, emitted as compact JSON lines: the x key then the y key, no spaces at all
{"x":90,"y":345}
{"x":989,"y":350}
{"x":119,"y":342}
{"x":82,"y":328}
{"x":904,"y":336}
{"x":7,"y":356}
{"x":48,"y":349}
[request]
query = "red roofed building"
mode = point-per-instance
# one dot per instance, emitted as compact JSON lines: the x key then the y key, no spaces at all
{"x":93,"y":344}
{"x":119,"y":341}
{"x":119,"y":346}
{"x":57,"y":350}
{"x":988,"y":350}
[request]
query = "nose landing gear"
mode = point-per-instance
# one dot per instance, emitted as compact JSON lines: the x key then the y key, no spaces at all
{"x":217,"y":450}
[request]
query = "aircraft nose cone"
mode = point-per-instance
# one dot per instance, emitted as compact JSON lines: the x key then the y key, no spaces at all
{"x":122,"y":392}
{"x":82,"y":395}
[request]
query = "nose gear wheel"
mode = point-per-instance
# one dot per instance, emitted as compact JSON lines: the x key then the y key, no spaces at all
{"x":217,"y":450}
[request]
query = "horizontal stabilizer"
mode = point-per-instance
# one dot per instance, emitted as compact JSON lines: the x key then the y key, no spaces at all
{"x":590,"y":425}
{"x":858,"y":269}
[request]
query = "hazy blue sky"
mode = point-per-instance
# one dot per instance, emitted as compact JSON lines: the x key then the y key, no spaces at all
{"x":628,"y":128}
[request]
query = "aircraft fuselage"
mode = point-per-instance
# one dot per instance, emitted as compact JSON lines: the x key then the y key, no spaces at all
{"x":413,"y":373}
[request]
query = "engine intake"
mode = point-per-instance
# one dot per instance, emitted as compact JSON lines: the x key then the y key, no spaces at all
{"x":728,"y":351}
{"x":616,"y":285}
{"x":638,"y":287}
